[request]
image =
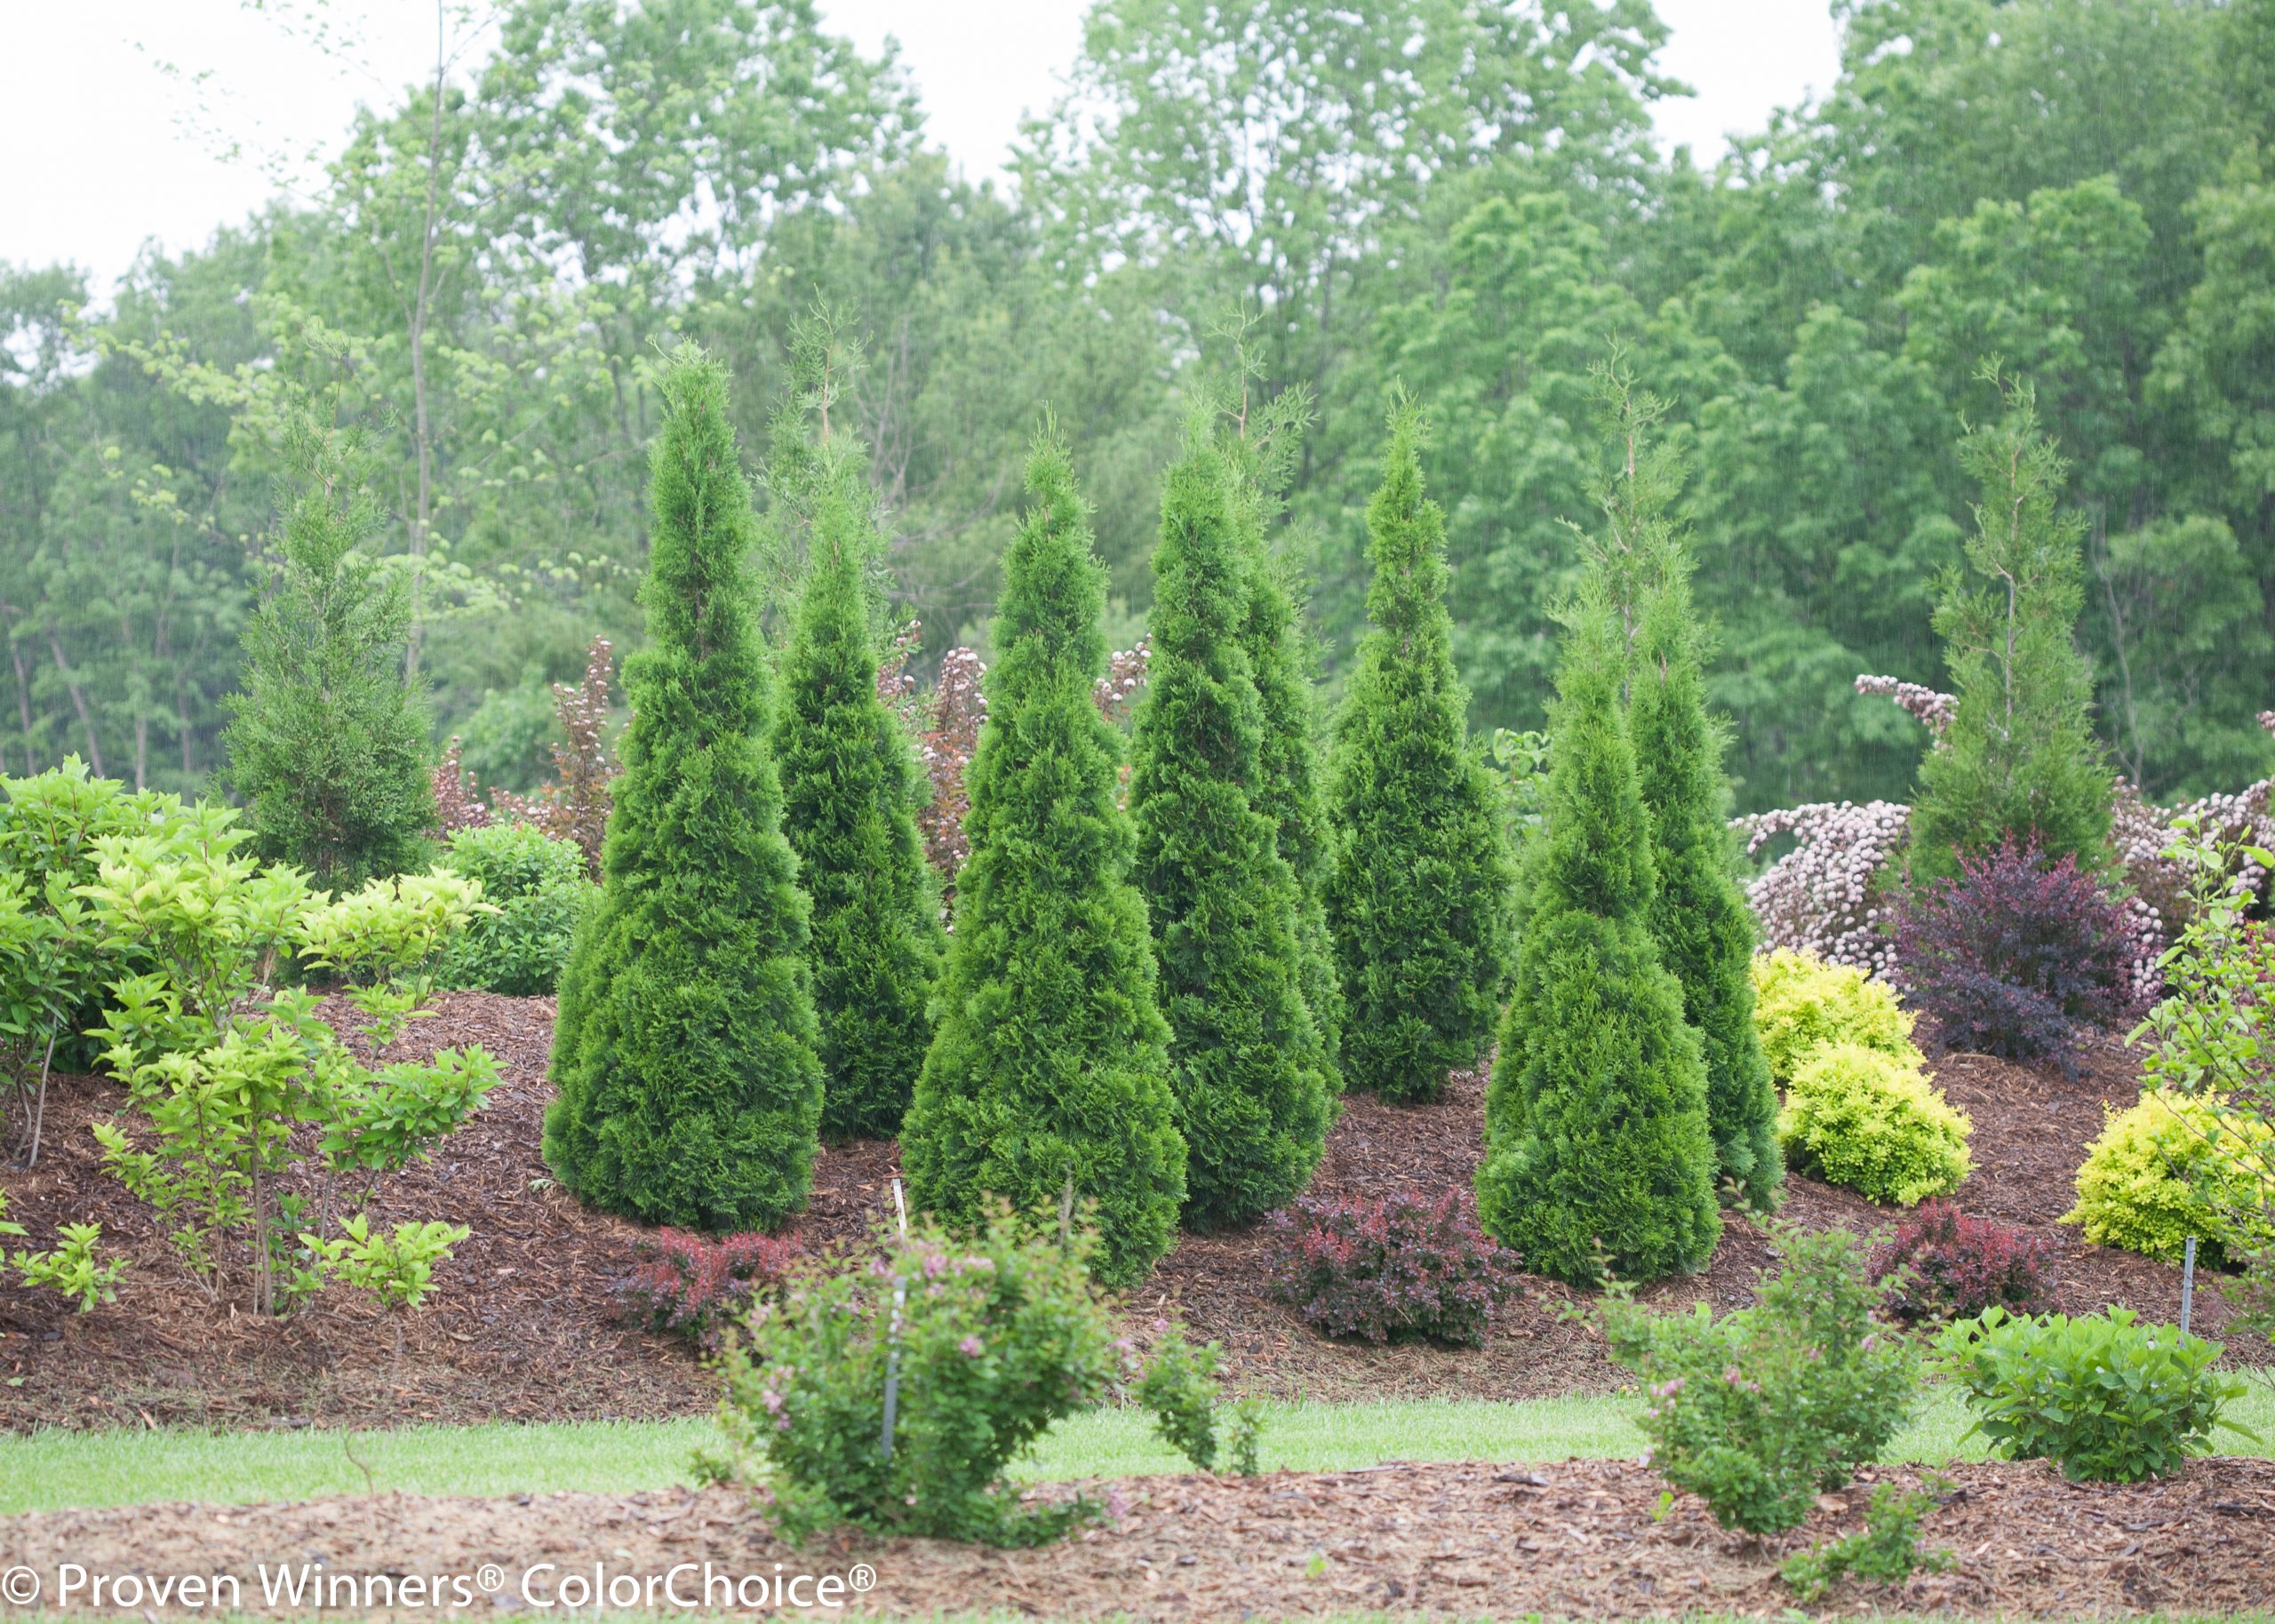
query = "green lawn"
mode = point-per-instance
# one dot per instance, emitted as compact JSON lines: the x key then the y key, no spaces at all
{"x":50,"y":1469}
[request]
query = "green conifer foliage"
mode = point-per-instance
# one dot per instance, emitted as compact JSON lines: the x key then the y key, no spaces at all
{"x":328,"y":740}
{"x":1050,"y":1059}
{"x":1419,"y":898}
{"x":690,"y":1091}
{"x":1596,"y":1145}
{"x":2020,"y":757}
{"x":1252,"y":1090}
{"x":849,"y":788}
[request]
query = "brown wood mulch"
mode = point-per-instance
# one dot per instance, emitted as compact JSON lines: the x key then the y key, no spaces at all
{"x":1584,"y":1539}
{"x":520,"y":1325}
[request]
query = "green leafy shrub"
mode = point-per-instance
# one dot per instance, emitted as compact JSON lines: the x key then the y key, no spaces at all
{"x":1179,"y":1387}
{"x":2173,"y":1166}
{"x":2107,"y":1399}
{"x":1886,"y":1552}
{"x":537,"y":884}
{"x":1869,"y":1120}
{"x":987,"y":1339}
{"x":1758,"y":1412}
{"x":387,"y":940}
{"x":1801,"y":1003}
{"x":396,"y":1268}
{"x":73,"y":1267}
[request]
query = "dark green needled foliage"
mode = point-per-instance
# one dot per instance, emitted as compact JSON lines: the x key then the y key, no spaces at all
{"x":1050,"y":1058}
{"x":1596,"y":1147}
{"x":328,"y":741}
{"x":690,"y":1091}
{"x":849,"y":782}
{"x":1418,"y":900}
{"x":1252,"y":1089}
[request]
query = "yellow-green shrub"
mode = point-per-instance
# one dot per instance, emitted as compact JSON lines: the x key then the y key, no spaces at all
{"x":1873,"y":1122}
{"x":2178,"y":1165}
{"x":1800,"y":1002}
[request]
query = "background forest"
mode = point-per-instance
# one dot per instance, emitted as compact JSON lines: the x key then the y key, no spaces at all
{"x":1458,"y":195}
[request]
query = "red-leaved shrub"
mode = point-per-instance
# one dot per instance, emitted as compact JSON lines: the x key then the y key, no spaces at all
{"x":694,"y":1286}
{"x":1947,"y":1264}
{"x":2014,"y":953}
{"x":1403,"y":1269}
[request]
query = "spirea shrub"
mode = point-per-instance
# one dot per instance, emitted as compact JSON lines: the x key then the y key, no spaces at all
{"x":2016,"y":952}
{"x":1398,"y":1269}
{"x":987,"y":1340}
{"x":2178,"y":1165}
{"x":1802,"y":1002}
{"x":693,"y":1286}
{"x":538,"y":885}
{"x":1873,"y":1122}
{"x":1946,"y":1264}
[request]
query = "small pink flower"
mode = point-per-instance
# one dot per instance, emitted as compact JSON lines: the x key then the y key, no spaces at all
{"x":971,"y":1347}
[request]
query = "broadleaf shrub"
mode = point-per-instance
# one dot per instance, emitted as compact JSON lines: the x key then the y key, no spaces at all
{"x":1758,"y":1411}
{"x":2107,"y":1399}
{"x":1946,"y":1264}
{"x":2173,"y":1166}
{"x":1872,"y":1122}
{"x":1398,"y":1269}
{"x":1801,"y":1003}
{"x":538,"y":885}
{"x":1886,"y":1552}
{"x":693,"y":1286}
{"x":1179,"y":1386}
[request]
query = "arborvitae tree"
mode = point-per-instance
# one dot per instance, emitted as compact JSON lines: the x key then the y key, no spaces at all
{"x":2020,"y":758}
{"x":849,"y":789}
{"x":328,"y":739}
{"x":1051,"y":1061}
{"x":689,"y":1090}
{"x":1418,"y":900}
{"x":1596,"y":1146}
{"x":1252,"y":1091}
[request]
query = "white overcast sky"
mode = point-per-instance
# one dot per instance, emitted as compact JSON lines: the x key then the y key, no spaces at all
{"x":118,"y":112}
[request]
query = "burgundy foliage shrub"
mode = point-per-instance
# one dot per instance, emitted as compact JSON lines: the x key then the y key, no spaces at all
{"x":1946,"y":1264}
{"x":1402,"y":1268}
{"x":695,"y":1285}
{"x":2015,"y":950}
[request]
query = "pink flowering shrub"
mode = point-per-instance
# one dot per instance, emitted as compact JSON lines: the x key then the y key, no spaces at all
{"x":1944,"y":1264}
{"x":695,"y":1285}
{"x":1822,"y":897}
{"x":1402,"y":1268}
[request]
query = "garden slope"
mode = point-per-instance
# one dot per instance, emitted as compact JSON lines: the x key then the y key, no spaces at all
{"x":519,"y":1326}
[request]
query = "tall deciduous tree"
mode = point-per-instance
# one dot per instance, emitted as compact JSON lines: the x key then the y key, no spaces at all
{"x":1051,"y":1063}
{"x":1418,"y":900}
{"x":1252,"y":1090}
{"x":685,"y":1052}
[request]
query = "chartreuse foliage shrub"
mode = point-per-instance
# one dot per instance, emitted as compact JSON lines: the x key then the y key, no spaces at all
{"x":2173,"y":1166}
{"x":989,"y":1338}
{"x":1758,"y":1412}
{"x":1253,"y":1093}
{"x":1596,"y":1146}
{"x":1050,"y":1062}
{"x":74,"y":1267}
{"x":1417,"y":899}
{"x":849,"y":796}
{"x":1800,"y":1002}
{"x":689,"y":1090}
{"x":538,"y":885}
{"x":1864,"y":1118}
{"x":2107,"y":1399}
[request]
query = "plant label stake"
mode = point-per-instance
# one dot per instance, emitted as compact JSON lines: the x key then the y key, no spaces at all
{"x":2187,"y":1284}
{"x":892,"y":1335}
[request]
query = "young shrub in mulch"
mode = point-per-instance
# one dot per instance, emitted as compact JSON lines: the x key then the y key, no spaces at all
{"x":1397,"y":1269}
{"x":690,"y":1088}
{"x":1418,"y":899}
{"x":2177,"y":1165}
{"x":1759,"y":1410}
{"x":2011,"y":955}
{"x":694,"y":1286}
{"x":1050,"y":1059}
{"x":1859,"y":1117}
{"x":1178,"y":1384}
{"x":1253,"y":1092}
{"x":1945,"y":1264}
{"x":1801,"y":1003}
{"x":1596,"y":1145}
{"x":537,"y":884}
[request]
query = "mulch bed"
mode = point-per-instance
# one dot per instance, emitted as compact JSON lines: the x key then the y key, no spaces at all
{"x":520,"y":1325}
{"x":1582,"y":1539}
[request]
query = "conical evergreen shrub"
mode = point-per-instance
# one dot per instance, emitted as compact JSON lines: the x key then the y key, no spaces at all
{"x":690,"y":1091}
{"x":1050,"y":1058}
{"x":1418,"y":899}
{"x":1252,"y":1091}
{"x":1596,"y":1147}
{"x":848,"y":790}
